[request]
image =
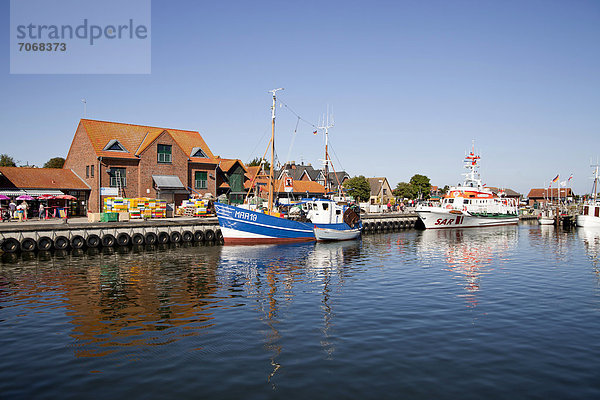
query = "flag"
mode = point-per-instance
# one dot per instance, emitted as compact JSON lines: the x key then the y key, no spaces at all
{"x":571,"y":177}
{"x":555,"y":179}
{"x":315,"y":132}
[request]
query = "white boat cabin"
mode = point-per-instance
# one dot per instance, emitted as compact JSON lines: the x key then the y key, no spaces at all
{"x":593,"y":210}
{"x":323,"y":211}
{"x":479,"y":202}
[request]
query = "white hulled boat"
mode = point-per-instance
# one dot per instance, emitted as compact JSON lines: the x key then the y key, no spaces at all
{"x":546,"y":217}
{"x":590,"y":216}
{"x":470,"y":204}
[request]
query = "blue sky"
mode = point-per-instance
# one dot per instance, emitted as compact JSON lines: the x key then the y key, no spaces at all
{"x":410,"y":83}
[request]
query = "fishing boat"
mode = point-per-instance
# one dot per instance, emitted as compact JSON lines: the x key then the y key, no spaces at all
{"x":470,"y":204}
{"x":248,"y":224}
{"x":546,"y":217}
{"x":590,"y":215}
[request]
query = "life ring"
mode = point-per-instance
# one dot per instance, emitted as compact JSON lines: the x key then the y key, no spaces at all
{"x":449,"y":206}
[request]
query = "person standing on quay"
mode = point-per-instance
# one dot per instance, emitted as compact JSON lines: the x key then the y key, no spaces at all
{"x":13,"y":209}
{"x":25,"y":207}
{"x":41,"y":211}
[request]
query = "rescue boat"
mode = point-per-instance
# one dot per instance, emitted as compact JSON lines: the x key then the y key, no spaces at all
{"x":470,"y":204}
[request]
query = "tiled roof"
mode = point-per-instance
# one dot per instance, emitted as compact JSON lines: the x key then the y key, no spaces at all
{"x":375,"y":184}
{"x":302,"y":187}
{"x":250,"y":173}
{"x":541,"y":193}
{"x":136,"y":138}
{"x":507,"y":192}
{"x":41,"y":178}
{"x":227,"y":163}
{"x":296,"y":171}
{"x":299,"y":186}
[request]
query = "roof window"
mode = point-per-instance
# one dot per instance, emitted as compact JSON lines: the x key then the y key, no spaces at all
{"x":198,"y":152}
{"x":114,"y":145}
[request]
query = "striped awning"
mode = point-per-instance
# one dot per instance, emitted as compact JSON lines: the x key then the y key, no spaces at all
{"x":31,"y":192}
{"x":12,"y":192}
{"x":40,"y":192}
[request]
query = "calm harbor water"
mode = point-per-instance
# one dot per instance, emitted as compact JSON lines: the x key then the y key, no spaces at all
{"x":470,"y":314}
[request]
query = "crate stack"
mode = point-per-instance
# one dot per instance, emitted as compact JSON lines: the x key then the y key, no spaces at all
{"x":137,"y":207}
{"x":134,"y":208}
{"x":193,"y":208}
{"x":116,"y":205}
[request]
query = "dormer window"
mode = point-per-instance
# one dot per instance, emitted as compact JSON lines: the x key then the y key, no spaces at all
{"x":164,"y":153}
{"x":114,"y":145}
{"x":198,"y":152}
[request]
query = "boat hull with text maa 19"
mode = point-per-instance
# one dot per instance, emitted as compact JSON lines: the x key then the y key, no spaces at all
{"x":243,"y":226}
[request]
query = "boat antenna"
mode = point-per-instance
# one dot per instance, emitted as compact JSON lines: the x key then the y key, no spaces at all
{"x":271,"y":183}
{"x":325,"y":126}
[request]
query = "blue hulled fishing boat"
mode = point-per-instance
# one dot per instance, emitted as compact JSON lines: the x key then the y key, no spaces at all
{"x":243,"y":225}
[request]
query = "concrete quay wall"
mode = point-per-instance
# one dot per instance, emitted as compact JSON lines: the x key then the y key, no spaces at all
{"x":32,"y":236}
{"x":373,"y":223}
{"x":43,"y":236}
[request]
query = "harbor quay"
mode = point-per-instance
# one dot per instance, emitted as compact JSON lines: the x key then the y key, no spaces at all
{"x":78,"y":233}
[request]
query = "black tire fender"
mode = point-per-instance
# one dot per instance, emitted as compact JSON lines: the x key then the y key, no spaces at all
{"x":108,"y":240}
{"x":93,"y":241}
{"x":137,"y":238}
{"x":199,"y":236}
{"x":28,"y":244}
{"x":151,"y":238}
{"x":77,"y":242}
{"x":44,"y":243}
{"x":123,"y":239}
{"x":61,"y":243}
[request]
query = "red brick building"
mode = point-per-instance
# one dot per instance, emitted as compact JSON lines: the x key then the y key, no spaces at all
{"x":140,"y":161}
{"x":543,"y":197}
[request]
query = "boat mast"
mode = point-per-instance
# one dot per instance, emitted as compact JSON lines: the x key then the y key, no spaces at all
{"x":271,"y":180}
{"x":595,"y":185}
{"x":326,"y":127}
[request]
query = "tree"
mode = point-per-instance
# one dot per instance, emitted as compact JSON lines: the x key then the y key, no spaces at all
{"x":445,"y":190}
{"x":256,"y":163}
{"x":7,"y":161}
{"x":404,"y":190}
{"x":421,"y":185}
{"x":358,"y":187}
{"x":56,"y":162}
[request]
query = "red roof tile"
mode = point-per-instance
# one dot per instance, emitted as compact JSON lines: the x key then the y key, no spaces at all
{"x":43,"y":178}
{"x":136,"y":138}
{"x":227,"y":163}
{"x":542,"y":193}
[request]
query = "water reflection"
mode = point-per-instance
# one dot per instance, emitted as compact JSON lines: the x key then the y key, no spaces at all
{"x":591,"y":243}
{"x":118,"y":299}
{"x":467,"y":253}
{"x":270,"y":274}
